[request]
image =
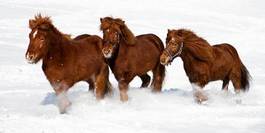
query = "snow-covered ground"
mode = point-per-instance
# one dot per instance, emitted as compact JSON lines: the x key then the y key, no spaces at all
{"x":27,"y":101}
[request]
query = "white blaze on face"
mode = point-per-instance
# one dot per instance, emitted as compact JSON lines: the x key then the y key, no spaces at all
{"x":35,"y":33}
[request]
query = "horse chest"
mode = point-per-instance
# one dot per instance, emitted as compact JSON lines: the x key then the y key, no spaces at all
{"x":196,"y":69}
{"x":54,"y":72}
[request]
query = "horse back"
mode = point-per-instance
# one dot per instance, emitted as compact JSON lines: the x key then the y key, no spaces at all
{"x":154,"y":39}
{"x":226,"y":48}
{"x":82,"y":36}
{"x":87,"y":41}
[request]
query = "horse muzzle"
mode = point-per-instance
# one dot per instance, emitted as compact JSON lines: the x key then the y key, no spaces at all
{"x":164,"y":60}
{"x":107,"y":53}
{"x":31,"y":58}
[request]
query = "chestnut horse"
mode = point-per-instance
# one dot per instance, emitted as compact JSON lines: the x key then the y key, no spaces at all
{"x":67,"y":61}
{"x":129,"y":56}
{"x":204,"y":63}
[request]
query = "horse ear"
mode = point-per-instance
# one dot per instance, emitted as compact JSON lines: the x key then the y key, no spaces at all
{"x":101,"y":19}
{"x":31,"y":23}
{"x":168,"y":30}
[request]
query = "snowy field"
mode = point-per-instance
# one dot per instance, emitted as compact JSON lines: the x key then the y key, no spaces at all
{"x":27,"y":101}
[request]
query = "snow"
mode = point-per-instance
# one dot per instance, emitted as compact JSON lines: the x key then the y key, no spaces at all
{"x":27,"y":101}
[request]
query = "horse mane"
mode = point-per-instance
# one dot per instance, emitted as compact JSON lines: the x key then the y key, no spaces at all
{"x":68,"y":36}
{"x":198,"y":47}
{"x":45,"y":23}
{"x":118,"y":24}
{"x":38,"y":21}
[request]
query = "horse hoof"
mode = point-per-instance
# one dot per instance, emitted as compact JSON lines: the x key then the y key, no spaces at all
{"x":63,"y":110}
{"x":64,"y":106}
{"x":156,"y":90}
{"x":200,"y":97}
{"x":202,"y":101}
{"x":99,"y":97}
{"x":124,"y":97}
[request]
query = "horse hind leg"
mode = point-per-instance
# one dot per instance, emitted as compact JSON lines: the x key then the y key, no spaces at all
{"x":237,"y":85}
{"x":91,"y":85}
{"x":225,"y":84}
{"x":235,"y":78}
{"x":158,"y":77}
{"x":145,"y":80}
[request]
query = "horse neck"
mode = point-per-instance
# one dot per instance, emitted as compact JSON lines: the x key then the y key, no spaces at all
{"x":121,"y":46}
{"x":202,"y":52}
{"x":56,"y":46}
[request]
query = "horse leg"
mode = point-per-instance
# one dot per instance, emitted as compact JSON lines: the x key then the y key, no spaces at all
{"x":198,"y":93}
{"x":145,"y":80}
{"x":158,"y":77}
{"x":91,"y":85}
{"x":101,"y":83}
{"x":235,"y":78}
{"x":123,"y":87}
{"x":225,"y":84}
{"x":61,"y":92}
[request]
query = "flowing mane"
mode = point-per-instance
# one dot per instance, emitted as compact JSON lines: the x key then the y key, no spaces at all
{"x":199,"y":47}
{"x":45,"y":23}
{"x":120,"y":26}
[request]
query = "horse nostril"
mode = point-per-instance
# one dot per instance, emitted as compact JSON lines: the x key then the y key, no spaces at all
{"x":106,"y":51}
{"x":30,"y":56}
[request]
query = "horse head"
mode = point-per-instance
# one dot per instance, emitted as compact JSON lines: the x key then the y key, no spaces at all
{"x":114,"y":30}
{"x":174,"y":46}
{"x":38,"y":45}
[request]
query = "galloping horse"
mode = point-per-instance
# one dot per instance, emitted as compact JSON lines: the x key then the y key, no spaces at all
{"x":67,"y":61}
{"x":204,"y":63}
{"x":129,"y":56}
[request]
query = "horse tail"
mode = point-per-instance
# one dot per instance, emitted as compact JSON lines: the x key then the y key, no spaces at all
{"x":245,"y":77}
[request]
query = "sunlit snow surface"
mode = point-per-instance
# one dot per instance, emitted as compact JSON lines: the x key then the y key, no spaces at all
{"x":27,"y":101}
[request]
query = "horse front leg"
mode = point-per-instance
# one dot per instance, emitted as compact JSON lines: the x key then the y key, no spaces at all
{"x":123,"y":87}
{"x":198,"y":93}
{"x":61,"y":94}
